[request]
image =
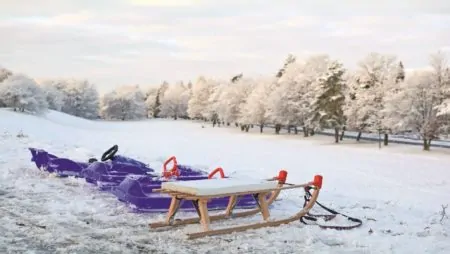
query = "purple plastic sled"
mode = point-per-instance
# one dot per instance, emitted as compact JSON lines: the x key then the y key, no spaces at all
{"x":136,"y":189}
{"x":107,"y":175}
{"x":132,"y":181}
{"x":66,"y":167}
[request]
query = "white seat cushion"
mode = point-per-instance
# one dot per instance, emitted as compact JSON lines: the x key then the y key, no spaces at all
{"x":218,"y":186}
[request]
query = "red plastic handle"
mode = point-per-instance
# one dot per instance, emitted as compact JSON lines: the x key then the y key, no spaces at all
{"x":282,"y":175}
{"x":215,"y":171}
{"x":174,"y":170}
{"x":317,"y":181}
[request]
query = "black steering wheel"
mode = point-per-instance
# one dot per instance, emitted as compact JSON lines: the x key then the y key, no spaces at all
{"x":109,"y":154}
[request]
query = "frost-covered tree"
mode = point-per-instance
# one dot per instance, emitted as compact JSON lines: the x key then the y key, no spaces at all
{"x":232,"y":100}
{"x":441,"y":77}
{"x":418,"y":104}
{"x":53,"y":94}
{"x":328,"y":104}
{"x":123,"y":103}
{"x":153,"y":99}
{"x":277,"y":109}
{"x":198,"y":103}
{"x":255,"y":108}
{"x":152,"y":102}
{"x":215,"y":109}
{"x":23,"y":94}
{"x":4,"y":73}
{"x":81,"y":98}
{"x":376,"y":74}
{"x":175,"y":101}
{"x":290,"y":102}
{"x":415,"y":107}
{"x":355,"y":108}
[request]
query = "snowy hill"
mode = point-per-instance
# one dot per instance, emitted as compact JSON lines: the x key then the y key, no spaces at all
{"x":398,"y":195}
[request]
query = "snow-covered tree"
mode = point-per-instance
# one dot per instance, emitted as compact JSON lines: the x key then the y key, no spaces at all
{"x":355,"y":107}
{"x":198,"y":103}
{"x":123,"y":103}
{"x":22,"y":93}
{"x":441,"y":78}
{"x":153,"y":99}
{"x":152,"y":102}
{"x":290,"y":102}
{"x":4,"y":73}
{"x":415,"y":107}
{"x":277,"y":109}
{"x":255,"y":108}
{"x":328,"y":104}
{"x":53,"y":94}
{"x":418,"y":104}
{"x":367,"y":86}
{"x":175,"y":101}
{"x":233,"y":98}
{"x":215,"y":108}
{"x":81,"y":98}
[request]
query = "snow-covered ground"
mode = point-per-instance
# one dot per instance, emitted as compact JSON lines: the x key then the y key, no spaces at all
{"x":397,"y":190}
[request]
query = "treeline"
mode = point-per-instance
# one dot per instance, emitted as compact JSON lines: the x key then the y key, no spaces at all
{"x":304,"y":95}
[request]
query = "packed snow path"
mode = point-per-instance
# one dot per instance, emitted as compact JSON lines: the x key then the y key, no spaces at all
{"x":397,"y":193}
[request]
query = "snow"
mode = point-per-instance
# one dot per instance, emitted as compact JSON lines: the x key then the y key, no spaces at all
{"x":397,"y":191}
{"x":219,"y":186}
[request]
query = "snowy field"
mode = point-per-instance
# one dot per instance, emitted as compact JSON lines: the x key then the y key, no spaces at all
{"x":398,"y":190}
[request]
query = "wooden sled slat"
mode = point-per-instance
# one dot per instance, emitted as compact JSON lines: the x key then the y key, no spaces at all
{"x":273,"y":196}
{"x":188,"y":196}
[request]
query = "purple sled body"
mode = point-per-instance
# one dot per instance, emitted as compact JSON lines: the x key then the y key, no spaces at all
{"x":131,"y":181}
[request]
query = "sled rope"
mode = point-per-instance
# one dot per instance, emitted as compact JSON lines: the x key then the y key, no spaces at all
{"x":327,"y":217}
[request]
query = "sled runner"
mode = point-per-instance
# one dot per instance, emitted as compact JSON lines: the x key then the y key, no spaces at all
{"x":199,"y":192}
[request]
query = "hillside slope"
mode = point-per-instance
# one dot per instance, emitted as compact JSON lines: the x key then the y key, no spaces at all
{"x":398,"y":196}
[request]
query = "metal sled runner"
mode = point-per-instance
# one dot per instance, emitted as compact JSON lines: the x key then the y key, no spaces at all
{"x":199,"y":192}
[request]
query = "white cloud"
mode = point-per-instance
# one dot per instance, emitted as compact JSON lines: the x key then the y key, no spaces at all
{"x":115,"y":42}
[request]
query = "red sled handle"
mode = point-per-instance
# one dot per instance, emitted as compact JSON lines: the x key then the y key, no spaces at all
{"x":215,"y":171}
{"x":174,"y":170}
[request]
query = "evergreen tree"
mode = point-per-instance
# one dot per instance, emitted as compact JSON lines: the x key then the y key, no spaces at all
{"x":328,"y":106}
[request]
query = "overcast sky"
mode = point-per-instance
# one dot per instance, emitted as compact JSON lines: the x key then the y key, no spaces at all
{"x":116,"y":42}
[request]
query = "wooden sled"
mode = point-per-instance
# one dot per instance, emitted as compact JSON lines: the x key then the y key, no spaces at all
{"x":199,"y":192}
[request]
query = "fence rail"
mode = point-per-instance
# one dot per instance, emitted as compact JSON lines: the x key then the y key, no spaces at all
{"x":374,"y":137}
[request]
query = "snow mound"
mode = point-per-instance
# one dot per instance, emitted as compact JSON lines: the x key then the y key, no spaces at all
{"x":69,"y":120}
